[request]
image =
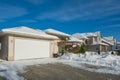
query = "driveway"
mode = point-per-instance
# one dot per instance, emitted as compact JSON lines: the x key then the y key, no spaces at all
{"x":59,"y":71}
{"x":2,"y":78}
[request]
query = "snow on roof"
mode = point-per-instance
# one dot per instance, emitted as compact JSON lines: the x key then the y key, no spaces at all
{"x":89,"y":34}
{"x":73,"y":39}
{"x":55,"y":32}
{"x":86,"y":35}
{"x":109,"y":38}
{"x":118,"y":43}
{"x":79,"y":36}
{"x":107,"y":42}
{"x":28,"y":31}
{"x":103,"y":43}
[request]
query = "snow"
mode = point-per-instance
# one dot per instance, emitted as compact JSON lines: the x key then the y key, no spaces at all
{"x":111,"y":63}
{"x":29,"y":31}
{"x":103,"y":40}
{"x":104,"y":59}
{"x":10,"y":69}
{"x":73,"y":39}
{"x":102,"y":43}
{"x":79,"y":36}
{"x":55,"y":32}
{"x":85,"y":35}
{"x":109,"y":38}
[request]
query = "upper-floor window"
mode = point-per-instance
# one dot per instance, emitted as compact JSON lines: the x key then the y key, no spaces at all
{"x":95,"y":39}
{"x":86,"y":41}
{"x":116,"y":47}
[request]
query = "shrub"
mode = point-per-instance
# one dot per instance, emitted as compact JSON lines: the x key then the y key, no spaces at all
{"x":82,"y":50}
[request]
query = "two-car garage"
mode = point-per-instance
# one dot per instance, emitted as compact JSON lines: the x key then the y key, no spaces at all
{"x":31,"y":48}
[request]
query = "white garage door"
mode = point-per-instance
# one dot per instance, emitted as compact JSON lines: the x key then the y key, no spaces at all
{"x":31,"y":48}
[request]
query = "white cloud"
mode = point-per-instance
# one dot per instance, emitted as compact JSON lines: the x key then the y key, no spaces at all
{"x":8,"y":12}
{"x":36,"y":2}
{"x":84,"y":11}
{"x":28,"y":21}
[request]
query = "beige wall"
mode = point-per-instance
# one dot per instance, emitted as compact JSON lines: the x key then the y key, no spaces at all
{"x":54,"y":47}
{"x":92,"y":48}
{"x":103,"y":48}
{"x":11,"y":47}
{"x":8,"y":46}
{"x":4,"y":47}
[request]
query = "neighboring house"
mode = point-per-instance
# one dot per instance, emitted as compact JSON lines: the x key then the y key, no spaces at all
{"x":117,"y":46}
{"x":92,"y":41}
{"x":81,"y":37}
{"x":110,"y":41}
{"x":63,"y":38}
{"x":25,"y":43}
{"x":73,"y":44}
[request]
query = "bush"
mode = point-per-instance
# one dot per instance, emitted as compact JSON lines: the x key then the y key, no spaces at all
{"x":82,"y":50}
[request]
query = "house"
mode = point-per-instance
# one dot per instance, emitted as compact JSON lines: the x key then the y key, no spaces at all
{"x":63,"y":38}
{"x":117,"y":46}
{"x":81,"y":37}
{"x":110,"y":41}
{"x":26,"y":43}
{"x":92,"y":41}
{"x":73,"y":44}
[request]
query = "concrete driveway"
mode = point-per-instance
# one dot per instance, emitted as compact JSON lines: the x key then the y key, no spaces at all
{"x":59,"y":71}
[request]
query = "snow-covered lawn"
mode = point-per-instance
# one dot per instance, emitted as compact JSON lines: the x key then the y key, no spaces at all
{"x":111,"y":63}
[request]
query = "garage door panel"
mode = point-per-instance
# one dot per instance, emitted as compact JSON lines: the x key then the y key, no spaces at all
{"x":31,"y":48}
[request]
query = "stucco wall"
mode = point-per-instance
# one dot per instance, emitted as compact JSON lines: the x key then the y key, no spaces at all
{"x":92,"y":48}
{"x":4,"y":47}
{"x":11,"y":41}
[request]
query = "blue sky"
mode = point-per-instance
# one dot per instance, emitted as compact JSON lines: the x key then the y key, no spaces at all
{"x":69,"y":16}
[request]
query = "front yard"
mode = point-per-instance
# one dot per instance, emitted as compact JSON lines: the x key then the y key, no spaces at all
{"x":68,"y":67}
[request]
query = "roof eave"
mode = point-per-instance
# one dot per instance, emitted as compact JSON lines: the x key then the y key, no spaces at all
{"x":27,"y":35}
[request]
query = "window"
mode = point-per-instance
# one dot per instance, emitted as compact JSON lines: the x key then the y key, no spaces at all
{"x":116,"y":47}
{"x":95,"y":39}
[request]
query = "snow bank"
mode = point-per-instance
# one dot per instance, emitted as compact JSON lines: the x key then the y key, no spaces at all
{"x":104,"y":59}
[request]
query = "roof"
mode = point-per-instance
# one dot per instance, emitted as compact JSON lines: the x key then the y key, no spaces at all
{"x":109,"y":38}
{"x":86,"y":35}
{"x":107,"y":42}
{"x":101,"y":43}
{"x":79,"y":36}
{"x":57,"y":33}
{"x":73,"y":39}
{"x":23,"y":30}
{"x":89,"y":34}
{"x":118,"y":43}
